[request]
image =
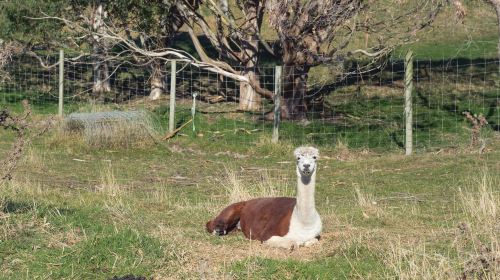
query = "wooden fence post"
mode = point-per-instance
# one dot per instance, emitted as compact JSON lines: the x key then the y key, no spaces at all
{"x":408,"y":102}
{"x":277,"y":105}
{"x":171,"y":118}
{"x":61,"y":83}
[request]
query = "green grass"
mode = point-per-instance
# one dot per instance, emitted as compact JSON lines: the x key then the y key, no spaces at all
{"x":57,"y":241}
{"x":444,"y":50}
{"x":41,"y":103}
{"x":353,"y":262}
{"x":361,"y":117}
{"x":59,"y":218}
{"x":361,"y":120}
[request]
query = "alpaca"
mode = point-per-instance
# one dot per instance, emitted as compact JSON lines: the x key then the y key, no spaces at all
{"x":282,"y":222}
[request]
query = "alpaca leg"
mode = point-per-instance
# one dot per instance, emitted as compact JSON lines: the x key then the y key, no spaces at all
{"x":227,"y":220}
{"x":281,"y":242}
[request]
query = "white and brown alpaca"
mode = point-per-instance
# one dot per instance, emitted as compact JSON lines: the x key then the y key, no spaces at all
{"x":278,"y":221}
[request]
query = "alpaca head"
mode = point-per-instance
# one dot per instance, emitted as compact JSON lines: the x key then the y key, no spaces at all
{"x":306,"y":160}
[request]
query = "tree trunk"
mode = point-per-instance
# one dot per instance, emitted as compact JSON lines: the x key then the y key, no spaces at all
{"x":157,"y":85}
{"x":101,"y":77}
{"x":100,"y":70}
{"x":496,"y":4}
{"x":250,"y":100}
{"x":294,"y":103}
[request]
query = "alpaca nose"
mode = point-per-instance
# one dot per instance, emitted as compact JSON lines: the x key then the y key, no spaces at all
{"x":306,"y":166}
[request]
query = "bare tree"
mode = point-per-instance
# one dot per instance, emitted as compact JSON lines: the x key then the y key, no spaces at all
{"x":153,"y":25}
{"x":170,"y":25}
{"x":314,"y":32}
{"x":253,"y":11}
{"x":237,"y":42}
{"x":303,"y":26}
{"x":130,"y":50}
{"x":310,"y":33}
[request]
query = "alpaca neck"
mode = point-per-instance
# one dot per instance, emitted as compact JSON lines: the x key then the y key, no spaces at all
{"x":305,"y":197}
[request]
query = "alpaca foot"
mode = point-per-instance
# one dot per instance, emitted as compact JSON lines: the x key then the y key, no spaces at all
{"x":216,"y":228}
{"x":219,"y":231}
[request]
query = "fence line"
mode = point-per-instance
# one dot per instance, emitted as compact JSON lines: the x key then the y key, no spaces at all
{"x":61,"y":83}
{"x":409,"y":103}
{"x":362,"y":110}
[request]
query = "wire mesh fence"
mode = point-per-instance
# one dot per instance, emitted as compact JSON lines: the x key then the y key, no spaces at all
{"x":325,"y":105}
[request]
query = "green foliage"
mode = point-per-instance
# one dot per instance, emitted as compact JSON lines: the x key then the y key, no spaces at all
{"x":16,"y":22}
{"x":150,"y":18}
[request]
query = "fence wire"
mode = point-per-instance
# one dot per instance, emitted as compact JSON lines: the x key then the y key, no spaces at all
{"x":322,"y":106}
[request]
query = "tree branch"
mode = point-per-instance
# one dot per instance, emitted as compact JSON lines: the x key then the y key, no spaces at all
{"x":164,"y":54}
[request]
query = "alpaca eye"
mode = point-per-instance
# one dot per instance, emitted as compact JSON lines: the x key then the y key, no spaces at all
{"x":298,"y":158}
{"x":314,"y":157}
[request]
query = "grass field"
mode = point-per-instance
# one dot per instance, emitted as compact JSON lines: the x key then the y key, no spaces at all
{"x":77,"y":212}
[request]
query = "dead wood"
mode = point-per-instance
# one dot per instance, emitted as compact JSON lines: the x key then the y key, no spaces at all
{"x":173,"y":133}
{"x":478,"y":122}
{"x":25,"y":133}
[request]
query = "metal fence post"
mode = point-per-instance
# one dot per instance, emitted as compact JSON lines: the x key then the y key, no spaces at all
{"x":171,"y":119}
{"x":61,"y":83}
{"x":408,"y":102}
{"x":277,"y":105}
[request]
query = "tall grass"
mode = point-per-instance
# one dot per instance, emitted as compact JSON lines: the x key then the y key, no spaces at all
{"x":417,"y":262}
{"x":475,"y":252}
{"x":108,"y":184}
{"x":263,"y":185}
{"x":367,"y":203}
{"x":481,"y":206}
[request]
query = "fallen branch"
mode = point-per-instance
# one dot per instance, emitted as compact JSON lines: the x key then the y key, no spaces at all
{"x":173,"y":133}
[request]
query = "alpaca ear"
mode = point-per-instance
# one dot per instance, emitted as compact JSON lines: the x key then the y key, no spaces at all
{"x":315,"y":152}
{"x":297,"y":152}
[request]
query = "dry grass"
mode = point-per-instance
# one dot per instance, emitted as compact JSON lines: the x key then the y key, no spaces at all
{"x":160,"y":195}
{"x":478,"y":240}
{"x":342,"y":152}
{"x":65,"y":239}
{"x":34,"y":158}
{"x":31,"y":222}
{"x":235,"y":189}
{"x":368,"y":204}
{"x":108,"y":183}
{"x":113,"y":129}
{"x":59,"y":137}
{"x":262,"y":186}
{"x":174,"y":213}
{"x":481,"y":202}
{"x":26,"y":186}
{"x":414,"y":261}
{"x":476,"y":243}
